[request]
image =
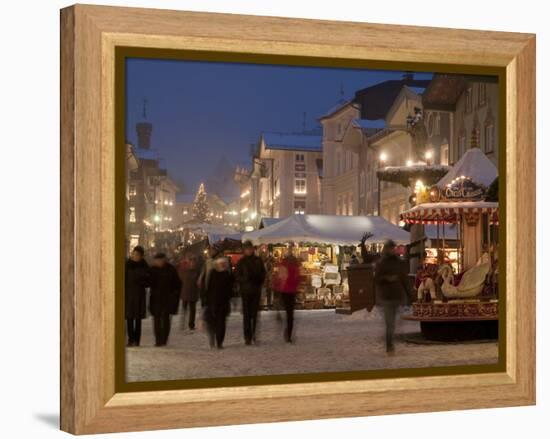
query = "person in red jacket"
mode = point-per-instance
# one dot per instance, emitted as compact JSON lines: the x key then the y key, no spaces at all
{"x":285,"y":283}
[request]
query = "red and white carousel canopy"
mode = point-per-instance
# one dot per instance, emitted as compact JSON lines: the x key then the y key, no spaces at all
{"x":449,"y":211}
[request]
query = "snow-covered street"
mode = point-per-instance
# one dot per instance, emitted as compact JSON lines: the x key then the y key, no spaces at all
{"x":324,"y":342}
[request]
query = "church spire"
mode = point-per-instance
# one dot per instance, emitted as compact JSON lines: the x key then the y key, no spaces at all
{"x":145,"y":102}
{"x":144,"y":129}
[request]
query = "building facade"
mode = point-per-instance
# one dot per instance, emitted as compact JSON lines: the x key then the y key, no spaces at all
{"x":461,"y":112}
{"x":342,"y":150}
{"x":151,"y":192}
{"x":286,"y":176}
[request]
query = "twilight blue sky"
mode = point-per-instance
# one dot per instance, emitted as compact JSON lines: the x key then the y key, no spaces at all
{"x":201,"y":111}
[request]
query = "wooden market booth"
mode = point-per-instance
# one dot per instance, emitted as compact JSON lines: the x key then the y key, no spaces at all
{"x":318,"y":241}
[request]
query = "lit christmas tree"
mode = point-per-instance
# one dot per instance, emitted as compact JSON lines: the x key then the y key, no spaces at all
{"x":200,"y":206}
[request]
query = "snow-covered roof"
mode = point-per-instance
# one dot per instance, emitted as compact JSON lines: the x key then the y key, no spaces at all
{"x":328,"y":229}
{"x":417,"y":90}
{"x":342,"y":103}
{"x":371,"y":126}
{"x":448,"y":211}
{"x":473,"y":164}
{"x":293,"y":142}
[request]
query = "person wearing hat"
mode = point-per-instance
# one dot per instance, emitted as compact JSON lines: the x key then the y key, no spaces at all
{"x":165,"y":295}
{"x":392,"y":288}
{"x":136,"y":279}
{"x":250,"y":276}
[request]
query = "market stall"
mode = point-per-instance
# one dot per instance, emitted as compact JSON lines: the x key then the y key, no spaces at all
{"x":323,"y":243}
{"x":458,"y":299}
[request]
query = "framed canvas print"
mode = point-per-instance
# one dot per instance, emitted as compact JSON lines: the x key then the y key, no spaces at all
{"x":268,"y":219}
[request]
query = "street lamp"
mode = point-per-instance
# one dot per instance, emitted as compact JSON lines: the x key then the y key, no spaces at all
{"x":381,"y":162}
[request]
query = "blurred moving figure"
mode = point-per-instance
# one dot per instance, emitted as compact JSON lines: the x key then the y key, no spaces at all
{"x":285,"y":283}
{"x":189,"y":273}
{"x":207,"y":267}
{"x":392,"y":288}
{"x":165,"y":294}
{"x":217,"y":302}
{"x":136,"y":280}
{"x":250,"y":275}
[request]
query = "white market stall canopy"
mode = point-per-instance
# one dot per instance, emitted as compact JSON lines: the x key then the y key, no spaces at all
{"x":328,"y":229}
{"x":474,"y":164}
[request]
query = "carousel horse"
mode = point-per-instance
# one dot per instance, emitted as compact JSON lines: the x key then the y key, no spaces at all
{"x":427,"y":284}
{"x":471,"y":284}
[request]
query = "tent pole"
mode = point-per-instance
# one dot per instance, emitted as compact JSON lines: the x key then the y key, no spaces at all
{"x":443,"y":242}
{"x":439,"y":253}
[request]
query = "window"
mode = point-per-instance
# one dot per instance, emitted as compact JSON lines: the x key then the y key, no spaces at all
{"x":300,"y":186}
{"x":444,"y":154}
{"x":474,"y":141}
{"x":430,"y":124}
{"x":489,"y":141}
{"x":132,"y":216}
{"x":437,"y":127}
{"x":348,"y":160}
{"x":299,"y":206}
{"x":350,"y":203}
{"x":461,"y":143}
{"x":339,"y":205}
{"x":345,"y":204}
{"x":338,"y":162}
{"x":362,"y":183}
{"x":468,"y":103}
{"x":132,"y":190}
{"x":482,"y":95}
{"x":300,"y":158}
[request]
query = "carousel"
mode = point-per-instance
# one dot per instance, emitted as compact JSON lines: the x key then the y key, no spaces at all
{"x":457,"y":297}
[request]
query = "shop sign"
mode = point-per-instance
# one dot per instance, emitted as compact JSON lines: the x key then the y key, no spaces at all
{"x":462,"y":188}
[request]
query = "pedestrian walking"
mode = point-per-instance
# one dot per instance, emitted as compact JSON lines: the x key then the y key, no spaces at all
{"x":136,"y":280}
{"x":285,"y":283}
{"x":392,"y":288}
{"x":250,"y":275}
{"x":217,"y":302}
{"x":268,"y":261}
{"x":165,"y":294}
{"x":189,"y":274}
{"x":213,"y":253}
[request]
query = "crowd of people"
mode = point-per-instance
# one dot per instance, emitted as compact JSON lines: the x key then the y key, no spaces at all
{"x":213,"y":282}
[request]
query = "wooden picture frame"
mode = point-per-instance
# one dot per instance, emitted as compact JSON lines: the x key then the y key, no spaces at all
{"x":90,"y":36}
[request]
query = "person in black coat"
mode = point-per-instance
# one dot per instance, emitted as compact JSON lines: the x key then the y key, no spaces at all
{"x":136,"y":279}
{"x":392,"y":288}
{"x":250,"y":275}
{"x":165,"y":294}
{"x":217,"y":300}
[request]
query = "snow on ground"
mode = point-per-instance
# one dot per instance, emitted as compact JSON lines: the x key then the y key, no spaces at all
{"x":324,"y":342}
